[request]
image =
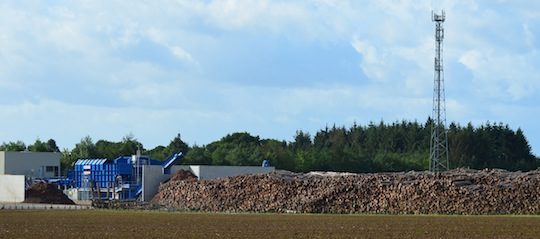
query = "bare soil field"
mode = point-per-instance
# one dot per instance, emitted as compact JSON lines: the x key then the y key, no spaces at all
{"x":155,"y":224}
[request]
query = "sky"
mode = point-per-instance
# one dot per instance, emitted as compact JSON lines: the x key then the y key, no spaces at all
{"x":208,"y":68}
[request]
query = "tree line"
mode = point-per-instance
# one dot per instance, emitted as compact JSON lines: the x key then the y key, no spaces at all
{"x":382,"y":147}
{"x":399,"y":146}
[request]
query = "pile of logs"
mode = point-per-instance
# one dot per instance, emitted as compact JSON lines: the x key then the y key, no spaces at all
{"x":460,"y":191}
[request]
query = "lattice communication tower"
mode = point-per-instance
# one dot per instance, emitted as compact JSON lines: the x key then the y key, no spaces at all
{"x":438,"y":150}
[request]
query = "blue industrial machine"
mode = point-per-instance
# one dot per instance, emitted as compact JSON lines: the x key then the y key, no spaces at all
{"x":120,"y":178}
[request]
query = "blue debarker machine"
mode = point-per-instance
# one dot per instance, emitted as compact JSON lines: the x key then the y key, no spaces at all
{"x":120,"y":178}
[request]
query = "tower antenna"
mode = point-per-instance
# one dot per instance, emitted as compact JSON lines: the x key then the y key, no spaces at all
{"x":438,"y":150}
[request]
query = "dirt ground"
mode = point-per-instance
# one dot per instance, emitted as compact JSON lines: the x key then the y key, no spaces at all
{"x":153,"y":224}
{"x":46,"y":193}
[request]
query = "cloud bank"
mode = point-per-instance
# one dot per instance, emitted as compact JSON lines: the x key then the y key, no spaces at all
{"x":208,"y":68}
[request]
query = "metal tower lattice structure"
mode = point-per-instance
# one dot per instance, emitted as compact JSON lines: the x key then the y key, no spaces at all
{"x":438,"y":150}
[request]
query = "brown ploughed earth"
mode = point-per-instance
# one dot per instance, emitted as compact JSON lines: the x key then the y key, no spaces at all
{"x":154,"y":224}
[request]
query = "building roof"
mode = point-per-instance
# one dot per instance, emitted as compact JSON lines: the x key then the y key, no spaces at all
{"x":91,"y":161}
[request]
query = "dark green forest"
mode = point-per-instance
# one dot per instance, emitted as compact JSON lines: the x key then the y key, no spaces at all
{"x":382,"y":147}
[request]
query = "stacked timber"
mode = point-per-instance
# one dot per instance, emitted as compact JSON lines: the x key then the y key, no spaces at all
{"x":460,"y":191}
{"x":182,"y":175}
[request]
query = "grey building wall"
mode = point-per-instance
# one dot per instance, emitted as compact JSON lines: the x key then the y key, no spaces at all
{"x":213,"y":172}
{"x":153,"y":176}
{"x":2,"y":155}
{"x":30,"y":164}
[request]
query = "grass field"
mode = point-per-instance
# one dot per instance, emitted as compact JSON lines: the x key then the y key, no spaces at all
{"x":152,"y":224}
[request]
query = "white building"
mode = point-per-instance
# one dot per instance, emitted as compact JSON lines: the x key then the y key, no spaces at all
{"x":30,"y":164}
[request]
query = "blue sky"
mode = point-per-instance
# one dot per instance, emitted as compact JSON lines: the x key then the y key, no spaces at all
{"x":208,"y":68}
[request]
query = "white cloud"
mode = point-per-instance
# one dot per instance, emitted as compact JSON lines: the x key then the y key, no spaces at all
{"x":372,"y":63}
{"x":182,"y":54}
{"x":529,"y":36}
{"x":101,"y":122}
{"x":509,"y":76}
{"x":472,"y":59}
{"x":127,"y":37}
{"x":69,"y":36}
{"x":235,"y":14}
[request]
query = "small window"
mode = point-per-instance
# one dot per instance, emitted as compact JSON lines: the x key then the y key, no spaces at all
{"x":52,"y":169}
